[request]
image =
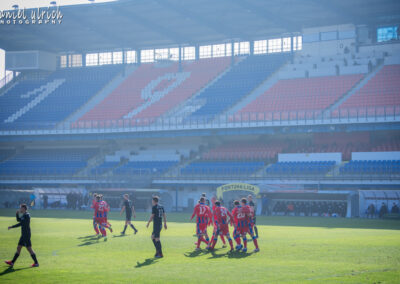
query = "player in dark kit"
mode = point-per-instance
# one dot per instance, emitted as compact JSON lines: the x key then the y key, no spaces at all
{"x":157,"y":216}
{"x":25,"y":240}
{"x":129,"y":211}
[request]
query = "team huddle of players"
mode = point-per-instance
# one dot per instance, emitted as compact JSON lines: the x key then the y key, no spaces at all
{"x":100,"y":222}
{"x":242,"y":218}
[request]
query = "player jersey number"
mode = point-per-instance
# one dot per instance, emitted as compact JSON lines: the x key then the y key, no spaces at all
{"x":160,"y":212}
{"x":202,"y":210}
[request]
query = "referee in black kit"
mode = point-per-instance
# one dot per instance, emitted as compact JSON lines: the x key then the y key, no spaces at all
{"x":129,"y":211}
{"x":25,"y":240}
{"x":157,"y":215}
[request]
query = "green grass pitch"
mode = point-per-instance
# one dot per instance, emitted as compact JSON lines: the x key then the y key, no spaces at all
{"x":293,"y":250}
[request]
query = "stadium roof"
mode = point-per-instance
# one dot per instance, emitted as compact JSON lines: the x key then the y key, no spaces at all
{"x":140,"y":24}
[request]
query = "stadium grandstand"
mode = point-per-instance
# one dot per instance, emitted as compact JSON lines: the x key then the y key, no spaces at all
{"x":179,"y":99}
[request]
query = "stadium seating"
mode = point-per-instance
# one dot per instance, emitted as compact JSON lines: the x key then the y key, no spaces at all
{"x":44,"y":103}
{"x":145,"y":167}
{"x":300,"y":95}
{"x":238,"y":82}
{"x":47,"y":162}
{"x":371,"y":168}
{"x":380,"y":91}
{"x":300,"y":168}
{"x":244,"y":151}
{"x":151,"y":90}
{"x":104,"y":167}
{"x":221,"y":168}
{"x":5,"y":154}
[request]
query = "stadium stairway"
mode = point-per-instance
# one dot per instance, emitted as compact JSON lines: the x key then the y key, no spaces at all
{"x":175,"y":171}
{"x":327,"y":112}
{"x":91,"y":163}
{"x":101,"y":95}
{"x":192,"y":104}
{"x":43,"y":91}
{"x":9,"y":85}
{"x":262,"y":171}
{"x":258,"y":91}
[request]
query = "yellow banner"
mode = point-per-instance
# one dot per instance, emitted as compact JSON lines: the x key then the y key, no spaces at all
{"x":237,"y":186}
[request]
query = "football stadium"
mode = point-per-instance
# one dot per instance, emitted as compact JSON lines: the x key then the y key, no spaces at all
{"x":171,"y":141}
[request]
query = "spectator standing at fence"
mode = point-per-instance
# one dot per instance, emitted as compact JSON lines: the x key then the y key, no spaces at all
{"x":383,"y":211}
{"x":395,"y":209}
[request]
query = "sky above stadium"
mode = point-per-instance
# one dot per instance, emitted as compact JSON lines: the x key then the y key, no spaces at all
{"x":7,"y":4}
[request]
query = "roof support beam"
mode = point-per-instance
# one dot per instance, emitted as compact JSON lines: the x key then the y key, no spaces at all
{"x":152,"y":26}
{"x":212,"y":23}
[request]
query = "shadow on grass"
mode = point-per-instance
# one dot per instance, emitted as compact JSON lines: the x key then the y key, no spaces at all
{"x":238,"y":254}
{"x":119,"y":236}
{"x":11,"y":270}
{"x":195,"y":253}
{"x":92,"y":241}
{"x":147,"y":262}
{"x":87,"y":237}
{"x":229,"y":254}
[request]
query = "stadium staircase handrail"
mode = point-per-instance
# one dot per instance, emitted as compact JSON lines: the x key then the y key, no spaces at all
{"x":8,"y":81}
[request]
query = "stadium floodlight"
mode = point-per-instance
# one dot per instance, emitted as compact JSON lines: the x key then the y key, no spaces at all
{"x":53,"y":3}
{"x":91,"y":1}
{"x":15,"y":6}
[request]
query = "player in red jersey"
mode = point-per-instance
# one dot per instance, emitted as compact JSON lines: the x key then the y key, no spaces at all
{"x":101,"y":208}
{"x":246,"y":225}
{"x":204,"y":219}
{"x":236,"y":234}
{"x":105,"y":218}
{"x":95,"y":226}
{"x":214,"y":208}
{"x":221,"y":215}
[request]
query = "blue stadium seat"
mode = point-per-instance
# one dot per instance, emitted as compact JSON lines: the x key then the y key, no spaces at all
{"x":369,"y":167}
{"x":145,"y":167}
{"x":300,"y":168}
{"x":222,"y":168}
{"x":46,"y":162}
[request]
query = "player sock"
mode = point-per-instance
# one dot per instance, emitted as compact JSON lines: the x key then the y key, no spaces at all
{"x":154,"y":242}
{"x":245,"y":242}
{"x":256,"y":230}
{"x":207,"y":240}
{"x":124,"y":229}
{"x":199,"y":240}
{"x":203,"y":240}
{"x":255,"y":242}
{"x":103,"y":231}
{"x":96,"y":229}
{"x":237,"y":239}
{"x":133,"y":227}
{"x":34,"y":257}
{"x":230,"y":243}
{"x":159,"y":248}
{"x":15,"y":257}
{"x":222,"y":239}
{"x":214,"y":242}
